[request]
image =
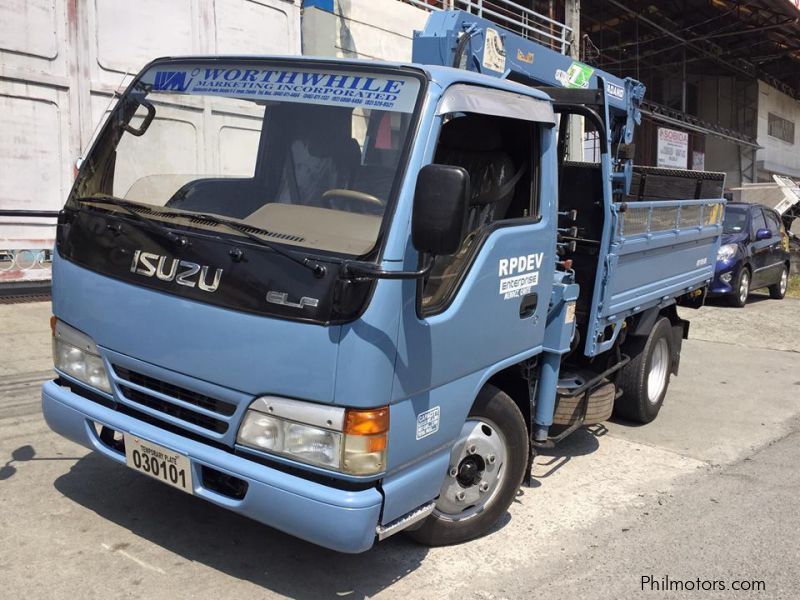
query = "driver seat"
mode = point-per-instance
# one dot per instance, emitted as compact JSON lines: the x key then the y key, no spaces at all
{"x":474,"y":144}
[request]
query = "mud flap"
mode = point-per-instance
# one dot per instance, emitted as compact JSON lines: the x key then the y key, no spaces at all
{"x":680,"y":332}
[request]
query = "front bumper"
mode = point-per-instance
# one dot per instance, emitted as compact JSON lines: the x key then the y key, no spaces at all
{"x":342,"y":520}
{"x":718,"y":286}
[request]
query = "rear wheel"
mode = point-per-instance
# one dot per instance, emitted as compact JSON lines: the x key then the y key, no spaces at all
{"x":777,"y":291}
{"x":741,"y":288}
{"x":644,"y":380}
{"x":487,"y":465}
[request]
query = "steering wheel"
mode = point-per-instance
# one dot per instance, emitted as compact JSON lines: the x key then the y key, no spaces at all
{"x":341,"y":199}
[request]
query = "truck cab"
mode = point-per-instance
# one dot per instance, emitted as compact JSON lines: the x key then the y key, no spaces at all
{"x":335,"y":296}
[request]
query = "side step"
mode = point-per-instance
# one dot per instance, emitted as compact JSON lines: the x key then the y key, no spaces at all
{"x":415,"y":516}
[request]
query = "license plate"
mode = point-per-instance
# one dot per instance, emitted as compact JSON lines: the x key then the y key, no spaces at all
{"x":158,"y":462}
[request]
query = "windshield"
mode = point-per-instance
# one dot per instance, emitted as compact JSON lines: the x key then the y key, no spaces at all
{"x":735,"y":221}
{"x":304,"y":156}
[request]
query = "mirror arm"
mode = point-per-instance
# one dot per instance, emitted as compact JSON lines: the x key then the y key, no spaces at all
{"x":365,"y":270}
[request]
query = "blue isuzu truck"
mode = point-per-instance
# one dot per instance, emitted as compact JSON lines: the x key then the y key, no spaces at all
{"x":348,"y":298}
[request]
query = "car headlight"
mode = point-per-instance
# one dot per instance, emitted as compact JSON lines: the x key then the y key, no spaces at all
{"x":346,"y":440}
{"x":75,"y":354}
{"x":726,"y":251}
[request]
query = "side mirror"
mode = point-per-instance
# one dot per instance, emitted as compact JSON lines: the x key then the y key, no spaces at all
{"x":763,"y":234}
{"x":146,"y":120}
{"x":441,"y":200}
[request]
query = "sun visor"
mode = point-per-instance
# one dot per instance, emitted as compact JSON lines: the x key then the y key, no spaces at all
{"x":473,"y":99}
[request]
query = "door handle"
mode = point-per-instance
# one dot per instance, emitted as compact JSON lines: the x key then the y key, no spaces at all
{"x":528,"y":305}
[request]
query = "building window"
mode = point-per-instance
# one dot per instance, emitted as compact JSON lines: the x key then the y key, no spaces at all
{"x":781,"y":128}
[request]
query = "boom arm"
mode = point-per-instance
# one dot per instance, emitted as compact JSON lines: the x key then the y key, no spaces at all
{"x":463,"y":40}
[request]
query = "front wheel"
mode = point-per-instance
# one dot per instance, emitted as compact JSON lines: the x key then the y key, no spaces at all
{"x":487,"y":465}
{"x":777,"y":291}
{"x":741,"y":289}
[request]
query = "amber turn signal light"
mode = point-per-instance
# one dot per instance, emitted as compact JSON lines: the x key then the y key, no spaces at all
{"x":366,"y":422}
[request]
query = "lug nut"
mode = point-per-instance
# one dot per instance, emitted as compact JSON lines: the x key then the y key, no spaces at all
{"x":490,"y":459}
{"x":484,"y":486}
{"x":460,"y":496}
{"x":472,"y":449}
{"x":453,"y":471}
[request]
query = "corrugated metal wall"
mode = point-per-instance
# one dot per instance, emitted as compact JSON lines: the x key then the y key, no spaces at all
{"x":60,"y":63}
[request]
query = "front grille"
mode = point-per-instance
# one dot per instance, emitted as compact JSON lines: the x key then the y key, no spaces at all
{"x":179,"y":412}
{"x":185,"y":414}
{"x":218,"y":406}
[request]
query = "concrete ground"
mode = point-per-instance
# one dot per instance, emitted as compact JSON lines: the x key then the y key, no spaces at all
{"x":709,"y":490}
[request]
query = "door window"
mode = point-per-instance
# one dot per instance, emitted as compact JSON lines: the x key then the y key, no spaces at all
{"x":497,"y":153}
{"x":773,"y":224}
{"x":758,"y":221}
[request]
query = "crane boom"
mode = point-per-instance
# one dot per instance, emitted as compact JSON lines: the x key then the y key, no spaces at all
{"x":459,"y":39}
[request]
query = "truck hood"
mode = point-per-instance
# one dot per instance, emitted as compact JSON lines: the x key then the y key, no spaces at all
{"x":249,"y":353}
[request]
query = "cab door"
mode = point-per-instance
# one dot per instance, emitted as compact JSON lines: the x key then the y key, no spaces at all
{"x":485,"y":307}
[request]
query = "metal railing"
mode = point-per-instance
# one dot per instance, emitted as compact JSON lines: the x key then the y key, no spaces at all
{"x":656,"y":216}
{"x":512,"y":16}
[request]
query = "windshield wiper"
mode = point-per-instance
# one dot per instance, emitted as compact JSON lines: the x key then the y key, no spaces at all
{"x":128,"y":209}
{"x":315,"y":267}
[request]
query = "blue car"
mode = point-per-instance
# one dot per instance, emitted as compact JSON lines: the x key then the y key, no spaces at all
{"x":754,"y":254}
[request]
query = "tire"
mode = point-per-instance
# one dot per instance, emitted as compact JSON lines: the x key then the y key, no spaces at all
{"x":645,"y":379}
{"x":777,"y":291}
{"x":741,"y":288}
{"x":448,"y":524}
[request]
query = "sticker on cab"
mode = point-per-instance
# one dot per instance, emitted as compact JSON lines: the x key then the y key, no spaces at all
{"x":519,"y":274}
{"x":570,"y":316}
{"x":428,"y":422}
{"x":332,"y":87}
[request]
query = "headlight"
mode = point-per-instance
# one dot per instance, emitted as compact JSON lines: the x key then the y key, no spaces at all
{"x":350,"y":441}
{"x":726,"y":251}
{"x":75,"y":354}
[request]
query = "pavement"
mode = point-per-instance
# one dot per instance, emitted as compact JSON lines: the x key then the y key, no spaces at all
{"x":707,"y":492}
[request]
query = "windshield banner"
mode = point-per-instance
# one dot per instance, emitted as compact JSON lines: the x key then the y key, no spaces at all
{"x":317,"y":86}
